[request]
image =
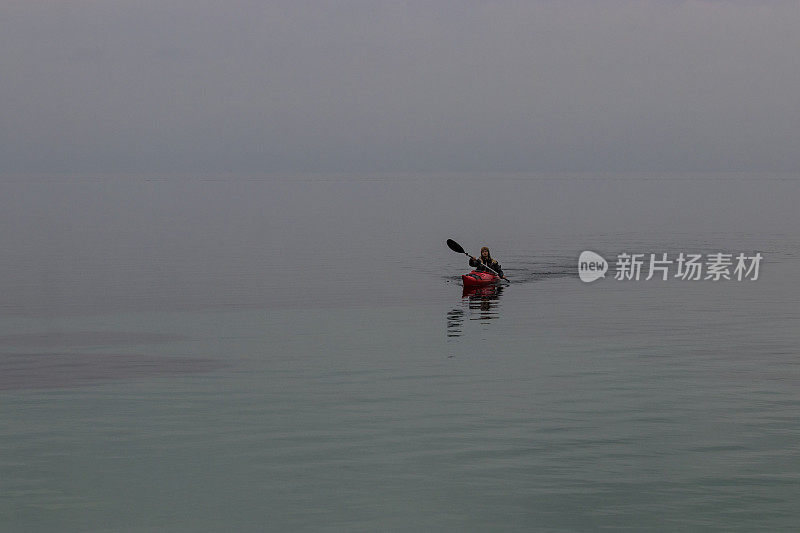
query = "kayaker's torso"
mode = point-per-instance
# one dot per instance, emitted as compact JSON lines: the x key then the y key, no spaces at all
{"x":480,"y":264}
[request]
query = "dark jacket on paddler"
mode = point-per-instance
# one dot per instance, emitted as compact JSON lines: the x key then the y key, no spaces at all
{"x":479,"y":265}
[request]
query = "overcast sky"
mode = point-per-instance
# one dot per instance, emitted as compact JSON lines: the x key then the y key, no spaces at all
{"x":143,"y":86}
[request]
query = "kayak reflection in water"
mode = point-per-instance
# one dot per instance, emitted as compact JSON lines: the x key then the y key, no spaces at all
{"x":484,"y":299}
{"x":485,"y":260}
{"x":478,"y":303}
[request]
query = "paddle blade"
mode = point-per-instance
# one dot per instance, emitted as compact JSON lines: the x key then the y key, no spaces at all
{"x":453,"y":245}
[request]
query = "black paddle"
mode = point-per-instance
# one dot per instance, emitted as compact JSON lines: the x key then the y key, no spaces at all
{"x":457,"y":248}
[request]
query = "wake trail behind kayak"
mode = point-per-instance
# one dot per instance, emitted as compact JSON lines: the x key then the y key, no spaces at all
{"x":529,"y":270}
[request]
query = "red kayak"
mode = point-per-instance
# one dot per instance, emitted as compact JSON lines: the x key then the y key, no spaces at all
{"x":479,"y":279}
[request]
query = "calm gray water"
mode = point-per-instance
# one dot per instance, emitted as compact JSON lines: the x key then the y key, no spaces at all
{"x":296,"y":354}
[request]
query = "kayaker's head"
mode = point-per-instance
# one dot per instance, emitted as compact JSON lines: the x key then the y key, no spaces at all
{"x":485,"y":253}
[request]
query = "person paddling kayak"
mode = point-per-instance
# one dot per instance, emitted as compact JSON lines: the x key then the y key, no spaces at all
{"x":484,"y":261}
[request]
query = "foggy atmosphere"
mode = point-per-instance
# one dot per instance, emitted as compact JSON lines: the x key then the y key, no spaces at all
{"x":440,"y":266}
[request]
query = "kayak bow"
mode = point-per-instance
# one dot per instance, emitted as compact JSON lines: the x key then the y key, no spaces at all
{"x":479,"y":279}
